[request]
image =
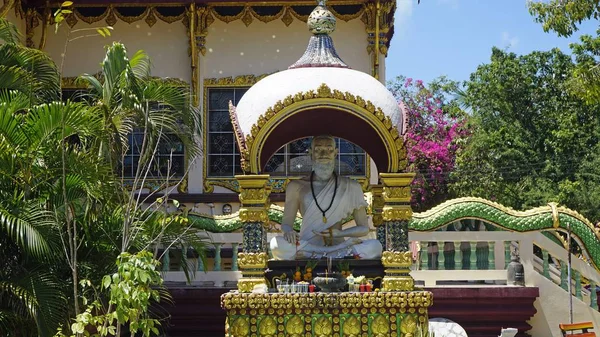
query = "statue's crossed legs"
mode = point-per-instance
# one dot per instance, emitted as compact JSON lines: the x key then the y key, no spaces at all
{"x":364,"y":249}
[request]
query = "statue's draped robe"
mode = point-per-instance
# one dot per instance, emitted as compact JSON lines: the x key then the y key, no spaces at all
{"x":349,"y":196}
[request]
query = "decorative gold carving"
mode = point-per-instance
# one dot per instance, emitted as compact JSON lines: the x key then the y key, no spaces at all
{"x":287,"y":13}
{"x":397,"y":212}
{"x":246,"y":285}
{"x":240,"y":327}
{"x":287,"y":17}
{"x":151,"y":18}
{"x":396,"y":186}
{"x":168,"y":19}
{"x":247,"y":18}
{"x":130,"y":19}
{"x":408,"y":326}
{"x":294,"y":326}
{"x":238,"y":81}
{"x":268,"y":118}
{"x":398,"y":283}
{"x":555,"y":217}
{"x":254,"y":214}
{"x":191,"y":30}
{"x":254,"y":195}
{"x":396,"y":259}
{"x":380,"y":326}
{"x":183,"y":185}
{"x":111,"y":19}
{"x":267,"y":326}
{"x":92,"y":19}
{"x":238,"y":302}
{"x":377,"y":205}
{"x":252,"y":260}
{"x":323,"y":326}
{"x":351,"y":326}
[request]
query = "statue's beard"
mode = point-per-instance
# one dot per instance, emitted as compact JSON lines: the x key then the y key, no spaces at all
{"x":323,"y":171}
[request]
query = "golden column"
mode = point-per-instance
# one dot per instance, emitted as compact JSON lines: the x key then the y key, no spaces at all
{"x":254,"y":196}
{"x":377,"y":211}
{"x":397,"y":257}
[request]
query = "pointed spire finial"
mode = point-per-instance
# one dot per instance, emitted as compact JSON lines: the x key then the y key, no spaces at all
{"x":321,"y":20}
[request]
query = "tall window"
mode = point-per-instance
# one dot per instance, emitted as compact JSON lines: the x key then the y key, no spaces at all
{"x":169,"y":158}
{"x":223,"y":152}
{"x":293,"y":159}
{"x":290,"y":160}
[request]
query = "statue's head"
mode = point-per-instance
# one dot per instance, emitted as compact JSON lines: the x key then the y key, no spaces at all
{"x":323,"y":154}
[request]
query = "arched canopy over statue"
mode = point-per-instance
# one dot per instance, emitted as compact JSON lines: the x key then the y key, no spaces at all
{"x":324,"y":200}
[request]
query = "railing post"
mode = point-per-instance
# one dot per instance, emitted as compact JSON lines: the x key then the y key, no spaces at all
{"x":166,"y":260}
{"x":473,"y":261}
{"x":507,"y":245}
{"x":546,"y":270}
{"x":593,"y":296}
{"x":578,"y":284}
{"x":457,"y":256}
{"x":441,"y":255}
{"x":217,"y":266}
{"x":234,"y":256}
{"x":200,"y":264}
{"x":425,"y":255}
{"x":492,"y":255}
{"x":526,"y":255}
{"x":183,"y":257}
{"x":563,"y":276}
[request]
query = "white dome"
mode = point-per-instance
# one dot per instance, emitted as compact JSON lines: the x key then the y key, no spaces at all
{"x":276,"y":87}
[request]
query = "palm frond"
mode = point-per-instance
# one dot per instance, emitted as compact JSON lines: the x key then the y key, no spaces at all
{"x":46,"y":84}
{"x":28,"y":224}
{"x":37,"y":295}
{"x":140,"y":64}
{"x":9,"y":32}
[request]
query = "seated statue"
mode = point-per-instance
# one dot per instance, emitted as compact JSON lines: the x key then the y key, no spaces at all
{"x":324,"y":200}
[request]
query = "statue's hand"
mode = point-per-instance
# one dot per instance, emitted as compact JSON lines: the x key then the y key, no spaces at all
{"x":291,"y":237}
{"x":336,"y":233}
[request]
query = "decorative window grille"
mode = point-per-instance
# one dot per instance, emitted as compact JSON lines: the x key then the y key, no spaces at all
{"x":223,"y":157}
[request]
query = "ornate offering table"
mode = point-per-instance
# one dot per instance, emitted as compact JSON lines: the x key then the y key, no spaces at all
{"x":372,"y":314}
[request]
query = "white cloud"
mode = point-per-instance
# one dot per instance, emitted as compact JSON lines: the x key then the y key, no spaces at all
{"x":509,"y":41}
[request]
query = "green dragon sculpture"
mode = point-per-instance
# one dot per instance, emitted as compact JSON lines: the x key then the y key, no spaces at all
{"x":549,"y":218}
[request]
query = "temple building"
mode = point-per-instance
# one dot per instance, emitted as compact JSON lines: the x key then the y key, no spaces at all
{"x":265,"y":82}
{"x":218,"y":49}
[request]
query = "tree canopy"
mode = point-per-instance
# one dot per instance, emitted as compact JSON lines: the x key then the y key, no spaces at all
{"x":531,"y":136}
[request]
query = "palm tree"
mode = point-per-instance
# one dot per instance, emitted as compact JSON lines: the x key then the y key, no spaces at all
{"x":127,"y":97}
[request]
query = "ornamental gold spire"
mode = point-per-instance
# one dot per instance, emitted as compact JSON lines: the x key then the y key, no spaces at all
{"x":320,"y":51}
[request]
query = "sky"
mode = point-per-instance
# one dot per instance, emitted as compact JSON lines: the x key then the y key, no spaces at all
{"x":453,"y":37}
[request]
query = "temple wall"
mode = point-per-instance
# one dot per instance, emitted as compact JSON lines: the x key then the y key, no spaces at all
{"x":232,"y":49}
{"x":11,"y":16}
{"x":166,"y":44}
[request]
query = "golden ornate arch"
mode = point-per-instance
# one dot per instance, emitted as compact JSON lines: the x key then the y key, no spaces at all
{"x":323,"y":97}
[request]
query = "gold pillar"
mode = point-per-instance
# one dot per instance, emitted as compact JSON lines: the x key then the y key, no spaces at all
{"x":193,"y":53}
{"x":397,"y":257}
{"x":377,"y":211}
{"x":254,"y":196}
